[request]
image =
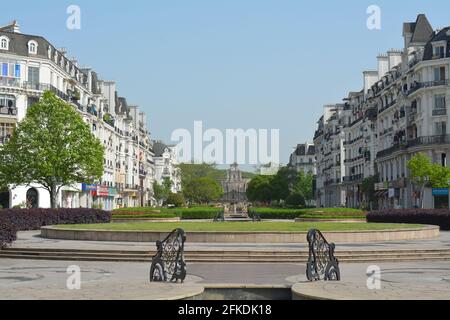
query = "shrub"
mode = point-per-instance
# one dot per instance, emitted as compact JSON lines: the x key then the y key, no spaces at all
{"x":196,"y":213}
{"x":295,"y":199}
{"x":437,"y":217}
{"x":176,"y":199}
{"x":322,"y":213}
{"x":7,"y":233}
{"x":34,"y":219}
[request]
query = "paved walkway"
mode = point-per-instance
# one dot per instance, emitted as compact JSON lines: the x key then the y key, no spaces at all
{"x":32,"y":239}
{"x":399,"y":281}
{"x":28,"y":279}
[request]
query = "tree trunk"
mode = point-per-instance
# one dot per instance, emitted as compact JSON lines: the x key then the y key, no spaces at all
{"x":54,"y":197}
{"x":422,"y":195}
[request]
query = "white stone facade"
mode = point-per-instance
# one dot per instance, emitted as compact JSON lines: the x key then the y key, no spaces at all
{"x":30,"y":65}
{"x":402,"y":109}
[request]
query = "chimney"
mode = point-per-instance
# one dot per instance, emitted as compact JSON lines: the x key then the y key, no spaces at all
{"x":395,"y":58}
{"x":74,"y":61}
{"x":370,"y":78}
{"x":383,"y":65}
{"x":15,"y":27}
{"x":12,"y":27}
{"x":63,"y":51}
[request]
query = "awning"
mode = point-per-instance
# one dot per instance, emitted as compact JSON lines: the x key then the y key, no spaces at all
{"x":381,"y":193}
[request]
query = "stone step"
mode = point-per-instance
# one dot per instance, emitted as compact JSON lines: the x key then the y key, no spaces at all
{"x":232,"y":256}
{"x":223,"y":260}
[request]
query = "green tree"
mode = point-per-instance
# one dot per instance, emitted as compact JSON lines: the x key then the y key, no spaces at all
{"x":203,"y":190}
{"x":259,"y":189}
{"x":52,"y":147}
{"x":304,"y":185}
{"x":368,"y":188}
{"x":424,"y":173}
{"x":176,"y":199}
{"x":162,"y":191}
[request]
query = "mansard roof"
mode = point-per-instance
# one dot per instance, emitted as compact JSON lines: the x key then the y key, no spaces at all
{"x":421,"y":30}
{"x":443,"y":35}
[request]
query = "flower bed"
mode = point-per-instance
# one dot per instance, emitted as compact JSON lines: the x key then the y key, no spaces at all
{"x":13,"y":220}
{"x":436,"y":217}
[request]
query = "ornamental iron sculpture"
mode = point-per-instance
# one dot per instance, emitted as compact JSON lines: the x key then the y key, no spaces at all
{"x":168,"y":264}
{"x":322,"y":264}
{"x":220,"y":217}
{"x":255,"y":216}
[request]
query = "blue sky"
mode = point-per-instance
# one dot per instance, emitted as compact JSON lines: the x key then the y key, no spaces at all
{"x":232,"y":64}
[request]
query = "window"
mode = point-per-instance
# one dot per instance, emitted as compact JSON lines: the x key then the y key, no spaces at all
{"x":7,"y":101}
{"x":439,"y":102}
{"x":32,"y":47}
{"x":439,"y":52}
{"x":439,"y":74}
{"x":4,"y":43}
{"x":441,"y":128}
{"x":33,"y":76}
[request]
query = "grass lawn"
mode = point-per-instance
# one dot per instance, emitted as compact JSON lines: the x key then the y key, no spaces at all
{"x":241,"y":226}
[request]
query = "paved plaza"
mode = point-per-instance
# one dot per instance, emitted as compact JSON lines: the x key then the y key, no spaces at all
{"x":29,"y":279}
{"x":40,"y":279}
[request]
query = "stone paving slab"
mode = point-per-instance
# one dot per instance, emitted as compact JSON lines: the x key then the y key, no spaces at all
{"x":399,"y":281}
{"x":38,"y":280}
{"x":46,"y":280}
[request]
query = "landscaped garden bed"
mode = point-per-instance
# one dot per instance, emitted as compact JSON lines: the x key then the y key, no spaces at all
{"x":436,"y":217}
{"x":241,"y":226}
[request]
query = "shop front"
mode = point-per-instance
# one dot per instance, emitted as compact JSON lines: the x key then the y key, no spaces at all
{"x":440,"y":198}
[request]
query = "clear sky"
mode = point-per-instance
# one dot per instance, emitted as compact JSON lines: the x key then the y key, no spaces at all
{"x":232,"y":64}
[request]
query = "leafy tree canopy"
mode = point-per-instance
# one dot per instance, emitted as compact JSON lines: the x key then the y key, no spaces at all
{"x":53,"y":147}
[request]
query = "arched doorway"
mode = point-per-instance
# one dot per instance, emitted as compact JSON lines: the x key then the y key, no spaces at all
{"x":4,"y":200}
{"x":32,"y":198}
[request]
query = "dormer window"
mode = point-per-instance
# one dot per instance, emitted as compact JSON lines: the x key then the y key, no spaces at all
{"x":32,"y":47}
{"x":439,"y":50}
{"x":4,"y":43}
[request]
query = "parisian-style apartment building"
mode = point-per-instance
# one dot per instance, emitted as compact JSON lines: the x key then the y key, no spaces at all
{"x":402,"y":110}
{"x":31,"y":65}
{"x":303,"y":159}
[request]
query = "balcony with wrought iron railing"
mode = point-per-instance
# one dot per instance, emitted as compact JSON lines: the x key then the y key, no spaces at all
{"x":439,"y":112}
{"x":8,"y":111}
{"x":420,"y":141}
{"x":420,"y":85}
{"x":9,"y":82}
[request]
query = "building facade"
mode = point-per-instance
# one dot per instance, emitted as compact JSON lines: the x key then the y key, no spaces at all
{"x":31,"y":65}
{"x":304,"y":159}
{"x":403,"y":109}
{"x":235,"y":186}
{"x":166,"y":165}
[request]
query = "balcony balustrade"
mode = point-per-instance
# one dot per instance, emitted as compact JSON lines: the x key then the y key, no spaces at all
{"x":419,"y":85}
{"x":420,"y":141}
{"x":439,"y":112}
{"x":8,"y":111}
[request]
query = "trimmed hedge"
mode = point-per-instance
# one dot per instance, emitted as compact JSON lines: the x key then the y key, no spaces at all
{"x":13,"y":220}
{"x":8,"y":233}
{"x":194,"y":213}
{"x":291,"y":214}
{"x":436,"y":217}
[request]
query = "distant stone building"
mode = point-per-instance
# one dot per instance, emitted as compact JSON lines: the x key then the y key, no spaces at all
{"x":304,"y":158}
{"x":235,"y":186}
